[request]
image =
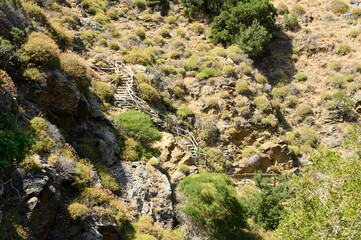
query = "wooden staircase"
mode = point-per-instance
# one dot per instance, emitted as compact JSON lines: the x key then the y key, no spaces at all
{"x":126,"y":98}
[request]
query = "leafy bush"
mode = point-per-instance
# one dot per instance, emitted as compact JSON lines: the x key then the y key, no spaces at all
{"x":270,"y":197}
{"x":139,"y":126}
{"x":14,"y":143}
{"x":40,"y":50}
{"x":206,"y":73}
{"x":229,"y":70}
{"x":213,"y":203}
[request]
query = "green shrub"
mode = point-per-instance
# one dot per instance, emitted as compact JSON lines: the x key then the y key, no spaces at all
{"x":354,"y":33}
{"x":282,"y":92}
{"x":302,"y":111}
{"x":170,"y":20}
{"x":301,"y":77}
{"x":358,"y":68}
{"x":262,"y":103}
{"x":339,"y":7}
{"x":43,"y":143}
{"x":87,"y":150}
{"x":356,"y":12}
{"x":108,"y":181}
{"x":82,"y":178}
{"x":148,"y":42}
{"x":152,"y":3}
{"x":291,"y":101}
{"x":104,"y":90}
{"x":193,"y":63}
{"x":174,"y":54}
{"x":178,"y":92}
{"x":131,"y":152}
{"x":349,"y":78}
{"x":229,"y":70}
{"x":33,"y":74}
{"x":168,"y":69}
{"x":142,"y":78}
{"x":291,"y":22}
{"x":93,"y":194}
{"x":35,"y":12}
{"x":14,"y":143}
{"x":160,"y":40}
{"x":148,"y":93}
{"x":282,"y":8}
{"x":113,"y":45}
{"x":164,"y":33}
{"x":139,"y":126}
{"x":206,"y":73}
{"x":197,"y":28}
{"x":242,"y":87}
{"x":336,"y":66}
{"x":88,"y":36}
{"x":337,"y":81}
{"x":213,"y":203}
{"x":343,"y":49}
{"x":113,"y":13}
{"x":40,"y":50}
{"x":94,"y":7}
{"x":140,"y":4}
{"x":298,"y":9}
{"x":76,"y":69}
{"x":101,"y":18}
{"x":154,"y":162}
{"x":180,"y":32}
{"x":260,"y":78}
{"x":140,"y":57}
{"x":184,"y":112}
{"x":77,"y":210}
{"x":202,"y":47}
{"x":140,"y":33}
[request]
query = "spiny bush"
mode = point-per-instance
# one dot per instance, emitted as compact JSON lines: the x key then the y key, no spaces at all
{"x":197,"y":28}
{"x":82,"y":178}
{"x":113,"y":13}
{"x":148,"y":93}
{"x":131,"y":152}
{"x":206,"y":73}
{"x":142,"y":78}
{"x":43,"y":143}
{"x":343,"y":49}
{"x":298,"y":9}
{"x":33,"y":74}
{"x":262,"y":103}
{"x":301,"y":77}
{"x":139,"y":126}
{"x":94,"y":7}
{"x":242,"y":87}
{"x":184,"y":112}
{"x":291,"y":22}
{"x":35,"y":12}
{"x":282,"y":8}
{"x":140,"y":4}
{"x":104,"y":90}
{"x":14,"y":143}
{"x":302,"y":111}
{"x":229,"y":70}
{"x":40,"y":50}
{"x":140,"y":33}
{"x":140,"y":57}
{"x":336,"y":66}
{"x":354,"y":33}
{"x":339,"y":7}
{"x":168,"y":69}
{"x":356,"y":12}
{"x":213,"y":203}
{"x":193,"y":62}
{"x":108,"y":181}
{"x":77,"y":210}
{"x":94,"y":194}
{"x":75,"y":68}
{"x":164,"y":33}
{"x":113,"y":45}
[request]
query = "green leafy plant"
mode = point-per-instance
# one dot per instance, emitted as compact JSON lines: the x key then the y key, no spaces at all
{"x":14,"y":143}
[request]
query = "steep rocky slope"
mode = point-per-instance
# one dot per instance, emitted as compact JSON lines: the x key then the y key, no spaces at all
{"x":266,"y":115}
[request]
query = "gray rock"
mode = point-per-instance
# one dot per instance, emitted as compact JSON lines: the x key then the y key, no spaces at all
{"x":35,"y":184}
{"x":148,"y":190}
{"x":332,"y":142}
{"x":92,"y":24}
{"x":254,"y":160}
{"x":32,"y":203}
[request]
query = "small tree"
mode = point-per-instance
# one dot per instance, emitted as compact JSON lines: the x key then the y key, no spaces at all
{"x":139,"y":126}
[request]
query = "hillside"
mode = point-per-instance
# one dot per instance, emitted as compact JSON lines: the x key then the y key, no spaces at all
{"x":150,"y":119}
